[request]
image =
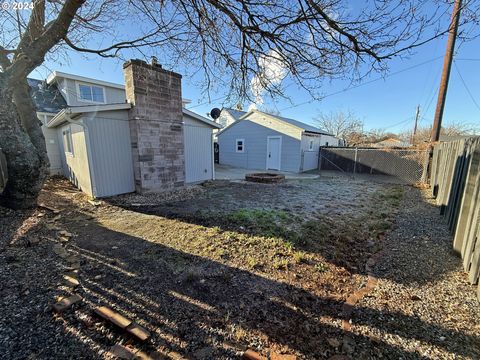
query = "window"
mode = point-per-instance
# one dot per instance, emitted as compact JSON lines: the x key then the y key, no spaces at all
{"x":240,"y":145}
{"x":91,"y":93}
{"x":326,"y":144}
{"x":310,"y":145}
{"x":67,"y":141}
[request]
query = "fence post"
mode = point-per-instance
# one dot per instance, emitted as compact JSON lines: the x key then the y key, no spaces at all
{"x":319,"y":159}
{"x":355,"y":162}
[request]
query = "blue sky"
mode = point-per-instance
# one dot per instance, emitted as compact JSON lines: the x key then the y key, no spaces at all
{"x":388,"y":103}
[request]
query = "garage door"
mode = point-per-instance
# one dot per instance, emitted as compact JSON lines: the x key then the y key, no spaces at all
{"x":198,"y":153}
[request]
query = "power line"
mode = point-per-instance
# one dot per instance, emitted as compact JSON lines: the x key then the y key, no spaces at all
{"x":399,"y":123}
{"x":434,"y":90}
{"x":465,"y":85}
{"x":337,"y":92}
{"x":365,"y":83}
{"x":207,"y":102}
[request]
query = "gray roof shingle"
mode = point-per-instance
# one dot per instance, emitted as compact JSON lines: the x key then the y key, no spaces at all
{"x":301,"y":125}
{"x":236,"y":114}
{"x":47,"y":98}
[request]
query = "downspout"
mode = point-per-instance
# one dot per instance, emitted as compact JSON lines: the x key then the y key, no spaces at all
{"x":88,"y":147}
{"x":213,"y":156}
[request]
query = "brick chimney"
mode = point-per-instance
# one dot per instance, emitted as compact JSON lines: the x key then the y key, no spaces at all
{"x":156,"y":129}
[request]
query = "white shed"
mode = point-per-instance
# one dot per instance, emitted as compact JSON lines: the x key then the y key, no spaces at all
{"x":199,"y":160}
{"x":259,"y":141}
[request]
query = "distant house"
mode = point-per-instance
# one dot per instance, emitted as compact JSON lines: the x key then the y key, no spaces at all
{"x":258,"y":140}
{"x":390,"y":143}
{"x":110,"y":139}
{"x":229,"y":116}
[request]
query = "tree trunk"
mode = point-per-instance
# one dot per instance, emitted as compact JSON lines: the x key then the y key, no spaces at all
{"x":27,"y":161}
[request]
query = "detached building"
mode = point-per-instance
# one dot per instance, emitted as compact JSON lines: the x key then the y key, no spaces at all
{"x":110,"y":139}
{"x":262,"y":141}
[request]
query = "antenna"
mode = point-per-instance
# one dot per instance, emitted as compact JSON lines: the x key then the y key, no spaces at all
{"x":215,"y":113}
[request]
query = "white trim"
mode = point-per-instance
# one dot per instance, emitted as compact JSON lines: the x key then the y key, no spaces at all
{"x":88,"y":148}
{"x":213,"y":157}
{"x":60,"y":117}
{"x":93,"y":188}
{"x":243,"y":146}
{"x":68,"y":133}
{"x":200,"y":118}
{"x":58,"y":74}
{"x":79,"y":99}
{"x":280,"y":152}
{"x":273,"y":117}
{"x":44,"y":113}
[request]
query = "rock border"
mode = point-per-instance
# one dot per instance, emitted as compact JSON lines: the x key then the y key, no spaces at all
{"x":265,"y":178}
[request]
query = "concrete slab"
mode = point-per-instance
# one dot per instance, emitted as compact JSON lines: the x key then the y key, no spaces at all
{"x":225,"y":172}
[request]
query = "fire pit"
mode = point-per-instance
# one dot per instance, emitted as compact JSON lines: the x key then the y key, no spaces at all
{"x":266,"y":178}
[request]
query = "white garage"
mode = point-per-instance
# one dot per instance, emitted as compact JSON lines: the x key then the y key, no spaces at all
{"x":199,"y":160}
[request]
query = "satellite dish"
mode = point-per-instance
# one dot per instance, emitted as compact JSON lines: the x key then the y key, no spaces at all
{"x":215,"y":113}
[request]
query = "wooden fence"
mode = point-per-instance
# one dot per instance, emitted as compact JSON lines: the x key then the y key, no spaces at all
{"x":455,"y":182}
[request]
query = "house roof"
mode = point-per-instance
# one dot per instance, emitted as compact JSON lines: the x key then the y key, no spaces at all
{"x":296,"y":123}
{"x":201,"y":118}
{"x":58,"y":74}
{"x":61,"y":117}
{"x":236,"y":114}
{"x":390,"y":140}
{"x":305,"y":127}
{"x":47,"y":98}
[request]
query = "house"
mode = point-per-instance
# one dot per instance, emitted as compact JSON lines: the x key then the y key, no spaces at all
{"x":110,"y":139}
{"x":264,"y":141}
{"x":390,"y":143}
{"x":229,"y":116}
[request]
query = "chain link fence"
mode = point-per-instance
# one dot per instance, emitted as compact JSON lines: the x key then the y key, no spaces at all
{"x":409,"y":166}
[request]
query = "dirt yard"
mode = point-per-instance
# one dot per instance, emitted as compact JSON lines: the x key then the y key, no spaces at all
{"x":217,"y":269}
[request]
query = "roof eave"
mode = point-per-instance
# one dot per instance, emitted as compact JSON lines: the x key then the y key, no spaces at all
{"x":60,"y":117}
{"x":201,"y":118}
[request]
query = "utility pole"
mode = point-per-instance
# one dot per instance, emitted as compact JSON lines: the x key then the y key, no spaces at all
{"x":447,"y":66}
{"x":417,"y":115}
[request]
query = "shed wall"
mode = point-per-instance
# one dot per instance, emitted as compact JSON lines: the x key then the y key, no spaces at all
{"x":53,"y":146}
{"x":111,"y":160}
{"x":75,"y":165}
{"x":331,"y":140}
{"x":255,"y":154}
{"x":198,"y":150}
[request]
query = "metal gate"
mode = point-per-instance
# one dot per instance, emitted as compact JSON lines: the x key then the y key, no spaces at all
{"x":407,"y":165}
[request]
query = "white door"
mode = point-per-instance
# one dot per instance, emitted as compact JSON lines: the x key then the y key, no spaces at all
{"x":198,"y":153}
{"x":274,"y":149}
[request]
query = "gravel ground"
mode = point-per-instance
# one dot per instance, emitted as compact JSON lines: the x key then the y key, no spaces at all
{"x":30,"y":280}
{"x":200,"y":302}
{"x":423,"y":305}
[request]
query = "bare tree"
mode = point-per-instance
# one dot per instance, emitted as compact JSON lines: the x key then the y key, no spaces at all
{"x":233,"y":43}
{"x":342,"y":124}
{"x":423,"y":135}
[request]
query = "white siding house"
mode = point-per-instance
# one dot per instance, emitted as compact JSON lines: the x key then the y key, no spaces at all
{"x":199,"y":161}
{"x":86,"y":124}
{"x":263,"y":141}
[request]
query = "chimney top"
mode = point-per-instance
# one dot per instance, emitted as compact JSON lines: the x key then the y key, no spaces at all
{"x":152,"y":66}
